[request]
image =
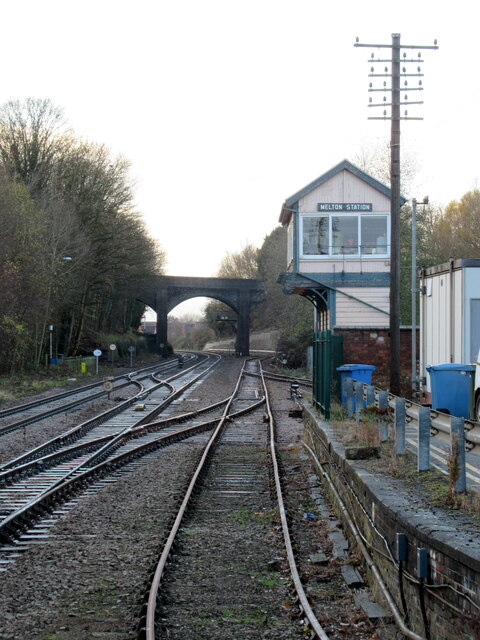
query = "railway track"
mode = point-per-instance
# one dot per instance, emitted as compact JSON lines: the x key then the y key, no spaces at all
{"x":233,"y":478}
{"x":110,"y":422}
{"x":40,"y":479}
{"x":228,"y":573}
{"x":40,"y":409}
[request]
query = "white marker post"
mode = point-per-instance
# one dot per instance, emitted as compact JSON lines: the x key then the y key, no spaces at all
{"x":97,"y":353}
{"x":112,"y":350}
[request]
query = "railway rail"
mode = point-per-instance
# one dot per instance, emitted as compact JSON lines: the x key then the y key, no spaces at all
{"x":150,"y":383}
{"x":235,"y":474}
{"x":65,"y":401}
{"x":238,"y":487}
{"x":39,"y":480}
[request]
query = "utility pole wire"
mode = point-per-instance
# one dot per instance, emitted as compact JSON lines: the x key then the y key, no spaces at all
{"x":395,"y":74}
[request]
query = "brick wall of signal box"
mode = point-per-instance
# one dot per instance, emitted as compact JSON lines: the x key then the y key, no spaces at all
{"x":372,"y":346}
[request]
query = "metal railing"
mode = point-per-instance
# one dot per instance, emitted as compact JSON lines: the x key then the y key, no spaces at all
{"x":462,"y":435}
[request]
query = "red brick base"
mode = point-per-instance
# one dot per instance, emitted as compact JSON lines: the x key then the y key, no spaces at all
{"x":372,"y":346}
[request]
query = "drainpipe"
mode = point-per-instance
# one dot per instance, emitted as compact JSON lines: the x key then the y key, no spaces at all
{"x":452,"y":311}
{"x":423,"y":291}
{"x":296,"y":238}
{"x":414,"y":298}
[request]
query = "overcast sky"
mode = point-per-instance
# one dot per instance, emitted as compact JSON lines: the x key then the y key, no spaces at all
{"x":225,"y":107}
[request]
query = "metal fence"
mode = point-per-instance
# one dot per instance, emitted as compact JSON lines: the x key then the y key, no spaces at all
{"x":327,"y":356}
{"x":78,"y":364}
{"x":459,"y":434}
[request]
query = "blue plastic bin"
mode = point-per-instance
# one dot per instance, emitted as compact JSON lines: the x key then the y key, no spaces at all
{"x":360,"y":372}
{"x":451,"y":385}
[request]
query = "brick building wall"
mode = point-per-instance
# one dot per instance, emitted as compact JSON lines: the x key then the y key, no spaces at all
{"x":372,"y":346}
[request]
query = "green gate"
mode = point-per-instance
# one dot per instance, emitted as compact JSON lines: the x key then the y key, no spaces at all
{"x":327,"y":356}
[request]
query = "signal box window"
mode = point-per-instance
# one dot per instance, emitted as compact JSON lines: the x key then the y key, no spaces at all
{"x":315,"y":236}
{"x":345,"y":235}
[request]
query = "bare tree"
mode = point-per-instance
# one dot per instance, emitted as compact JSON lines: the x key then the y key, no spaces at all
{"x":120,"y":256}
{"x":21,"y":273}
{"x":33,"y":132}
{"x":240,"y":264}
{"x":374,"y":159}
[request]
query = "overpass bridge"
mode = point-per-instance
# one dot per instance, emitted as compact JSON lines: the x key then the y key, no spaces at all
{"x":242,"y":295}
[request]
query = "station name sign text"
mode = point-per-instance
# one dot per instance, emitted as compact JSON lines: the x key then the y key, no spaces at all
{"x":344,"y":206}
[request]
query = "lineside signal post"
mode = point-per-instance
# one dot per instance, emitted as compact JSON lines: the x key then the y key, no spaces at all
{"x":391,"y":71}
{"x":108,"y":385}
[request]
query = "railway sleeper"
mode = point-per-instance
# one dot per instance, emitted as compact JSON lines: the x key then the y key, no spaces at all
{"x":5,"y":538}
{"x":16,"y":528}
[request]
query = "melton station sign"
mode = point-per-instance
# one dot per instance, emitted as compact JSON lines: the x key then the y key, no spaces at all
{"x":344,"y":206}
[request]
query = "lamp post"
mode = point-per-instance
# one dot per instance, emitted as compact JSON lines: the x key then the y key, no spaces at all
{"x":414,"y":292}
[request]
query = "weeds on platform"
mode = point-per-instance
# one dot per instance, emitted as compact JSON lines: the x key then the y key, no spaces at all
{"x":438,"y":489}
{"x":361,"y":433}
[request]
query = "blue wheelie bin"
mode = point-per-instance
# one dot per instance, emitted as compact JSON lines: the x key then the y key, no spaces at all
{"x":451,"y":386}
{"x":360,"y":372}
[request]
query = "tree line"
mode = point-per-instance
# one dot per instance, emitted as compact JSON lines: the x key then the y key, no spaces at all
{"x":74,"y":251}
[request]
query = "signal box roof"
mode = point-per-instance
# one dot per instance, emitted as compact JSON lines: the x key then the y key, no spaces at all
{"x":290,"y":203}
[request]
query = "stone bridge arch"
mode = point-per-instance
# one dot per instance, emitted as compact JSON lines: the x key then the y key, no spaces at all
{"x":240,"y":294}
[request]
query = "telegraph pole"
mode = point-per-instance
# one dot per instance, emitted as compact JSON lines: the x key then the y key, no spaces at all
{"x":395,"y":220}
{"x":395,"y":73}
